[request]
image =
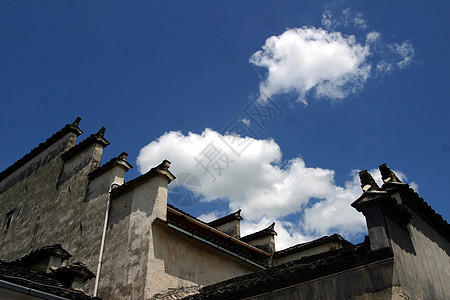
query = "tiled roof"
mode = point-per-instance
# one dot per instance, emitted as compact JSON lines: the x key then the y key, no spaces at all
{"x":42,"y":253}
{"x":320,"y":241}
{"x":392,"y":185}
{"x":31,"y":281}
{"x":119,"y":160}
{"x":259,"y":234}
{"x":93,"y":138}
{"x":196,"y":227}
{"x":76,"y":269}
{"x":228,"y":246}
{"x":293,"y":272}
{"x":228,"y":218}
{"x":176,"y":293}
{"x":161,"y":170}
{"x":34,"y":152}
{"x":422,"y":207}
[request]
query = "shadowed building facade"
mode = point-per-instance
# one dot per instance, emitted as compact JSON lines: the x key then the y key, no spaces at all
{"x":77,"y":225}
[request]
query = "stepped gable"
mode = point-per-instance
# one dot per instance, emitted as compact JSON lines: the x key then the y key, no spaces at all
{"x":161,"y":169}
{"x":92,"y":139}
{"x":323,"y":240}
{"x":120,"y":160}
{"x":367,"y":182}
{"x":259,"y":234}
{"x":73,"y":127}
{"x":392,"y":185}
{"x":245,"y":254}
{"x":293,"y":272}
{"x":226,"y":219}
{"x":214,"y":236}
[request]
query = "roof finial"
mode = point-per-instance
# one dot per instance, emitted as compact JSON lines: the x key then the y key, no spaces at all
{"x":123,"y":156}
{"x":77,"y":121}
{"x":164,"y":165}
{"x":367,"y":181}
{"x":387,"y":175}
{"x":101,"y":132}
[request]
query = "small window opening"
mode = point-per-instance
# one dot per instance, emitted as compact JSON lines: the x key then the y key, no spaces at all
{"x":8,"y":219}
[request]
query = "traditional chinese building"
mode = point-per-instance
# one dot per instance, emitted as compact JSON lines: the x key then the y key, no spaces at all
{"x":74,"y":228}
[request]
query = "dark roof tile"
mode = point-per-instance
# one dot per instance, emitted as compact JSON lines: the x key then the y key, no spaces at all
{"x":36,"y":151}
{"x":226,"y":219}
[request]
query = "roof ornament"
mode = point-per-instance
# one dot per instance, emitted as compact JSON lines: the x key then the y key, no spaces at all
{"x":271,"y":227}
{"x":101,"y":132}
{"x":123,"y":156}
{"x":77,"y":121}
{"x":164,"y":165}
{"x":387,"y":175}
{"x":367,"y":182}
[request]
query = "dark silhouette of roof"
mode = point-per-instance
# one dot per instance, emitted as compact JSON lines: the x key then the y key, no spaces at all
{"x":32,"y":282}
{"x":293,"y":272}
{"x":226,"y":219}
{"x":320,"y":241}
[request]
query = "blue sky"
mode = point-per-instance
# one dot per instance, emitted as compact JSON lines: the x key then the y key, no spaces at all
{"x":351,"y":85}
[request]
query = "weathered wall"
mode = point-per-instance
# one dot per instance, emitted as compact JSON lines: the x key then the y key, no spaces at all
{"x":128,"y":246}
{"x":421,"y":258}
{"x":367,"y":282}
{"x":232,"y":228}
{"x":39,"y":160}
{"x":191,"y":260}
{"x":50,"y":208}
{"x":144,"y":257}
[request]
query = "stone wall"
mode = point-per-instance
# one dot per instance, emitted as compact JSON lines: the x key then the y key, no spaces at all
{"x":47,"y":197}
{"x":421,"y":258}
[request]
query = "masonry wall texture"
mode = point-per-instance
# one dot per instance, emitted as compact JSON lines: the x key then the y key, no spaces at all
{"x":60,"y":192}
{"x":47,"y":195}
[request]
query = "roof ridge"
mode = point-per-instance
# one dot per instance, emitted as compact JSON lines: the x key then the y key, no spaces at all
{"x":306,"y":245}
{"x":226,"y":219}
{"x":73,"y":127}
{"x":266,"y":231}
{"x":93,"y":138}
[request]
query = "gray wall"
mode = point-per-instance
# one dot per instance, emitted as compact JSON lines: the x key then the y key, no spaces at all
{"x":48,"y":199}
{"x":368,"y":282}
{"x":421,"y":258}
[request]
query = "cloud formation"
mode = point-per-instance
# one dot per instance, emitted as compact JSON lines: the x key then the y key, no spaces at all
{"x":259,"y":182}
{"x":324,"y":62}
{"x":306,"y":59}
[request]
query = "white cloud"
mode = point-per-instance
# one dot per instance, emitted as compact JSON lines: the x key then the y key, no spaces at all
{"x":288,"y":233}
{"x":326,"y":63}
{"x":208,"y":217}
{"x":266,"y":192}
{"x":327,"y":21}
{"x":309,"y":59}
{"x":254,"y":182}
{"x":346,"y":18}
{"x":372,"y":37}
{"x":351,"y":17}
{"x":334,"y":214}
{"x":405,"y":51}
